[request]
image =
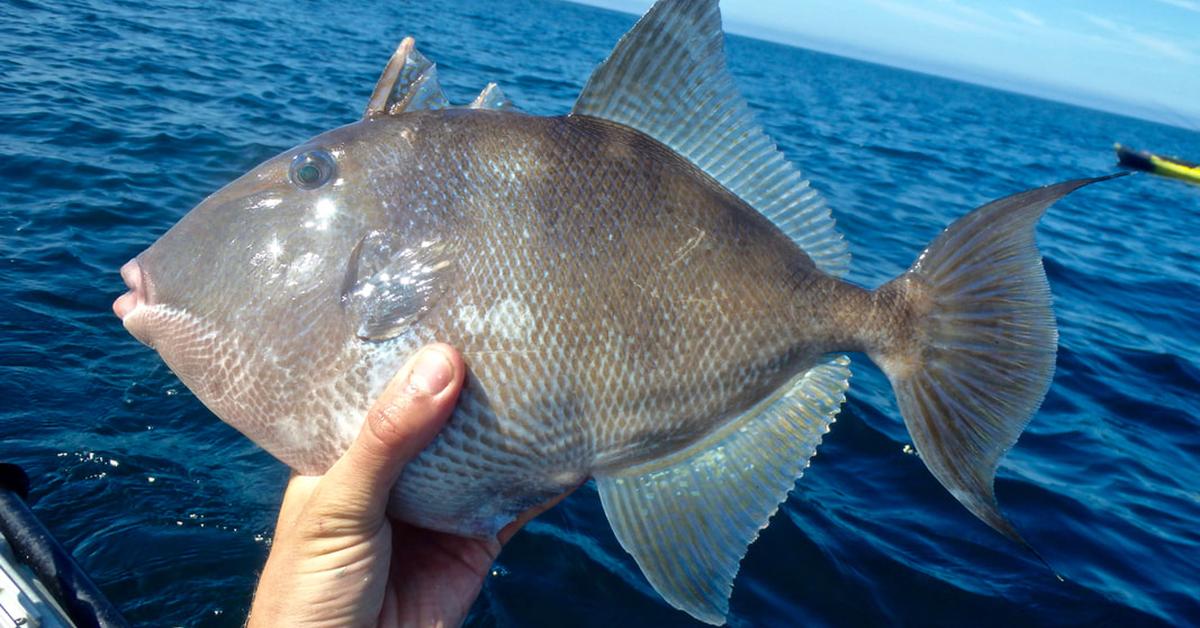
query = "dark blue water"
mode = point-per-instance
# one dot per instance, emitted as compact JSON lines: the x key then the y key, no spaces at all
{"x":117,"y":117}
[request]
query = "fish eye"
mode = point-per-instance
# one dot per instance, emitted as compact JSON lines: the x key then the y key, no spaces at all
{"x":312,"y":169}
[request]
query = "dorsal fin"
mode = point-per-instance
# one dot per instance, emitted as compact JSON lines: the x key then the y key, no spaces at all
{"x":667,"y":78}
{"x":491,"y":98}
{"x":409,"y":82}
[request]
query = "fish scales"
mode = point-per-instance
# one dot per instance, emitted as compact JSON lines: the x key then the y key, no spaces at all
{"x":608,"y":318}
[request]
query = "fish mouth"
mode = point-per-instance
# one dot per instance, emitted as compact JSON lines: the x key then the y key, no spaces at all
{"x":139,"y":293}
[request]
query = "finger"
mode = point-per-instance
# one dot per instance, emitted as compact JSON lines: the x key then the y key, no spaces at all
{"x":399,"y":425}
{"x":295,"y":496}
{"x":511,"y":529}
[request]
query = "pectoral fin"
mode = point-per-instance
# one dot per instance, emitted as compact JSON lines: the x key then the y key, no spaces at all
{"x":389,"y":283}
{"x":689,"y":519}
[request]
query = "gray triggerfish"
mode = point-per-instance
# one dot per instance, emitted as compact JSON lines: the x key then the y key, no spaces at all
{"x":645,"y":292}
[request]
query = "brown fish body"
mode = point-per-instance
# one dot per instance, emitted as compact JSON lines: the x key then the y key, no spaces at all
{"x":644,"y":291}
{"x":608,"y":319}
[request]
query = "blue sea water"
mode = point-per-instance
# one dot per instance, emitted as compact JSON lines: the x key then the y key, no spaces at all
{"x":117,"y":116}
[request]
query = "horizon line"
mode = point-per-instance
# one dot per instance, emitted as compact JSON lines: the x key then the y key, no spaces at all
{"x":1093,"y":101}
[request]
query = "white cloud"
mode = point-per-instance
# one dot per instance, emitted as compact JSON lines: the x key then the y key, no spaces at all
{"x":1028,"y":18}
{"x":1155,"y":45}
{"x":929,"y":17}
{"x":956,"y":16}
{"x":1188,"y":5}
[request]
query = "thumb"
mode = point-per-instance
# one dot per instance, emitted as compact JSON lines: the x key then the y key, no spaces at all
{"x":410,"y":412}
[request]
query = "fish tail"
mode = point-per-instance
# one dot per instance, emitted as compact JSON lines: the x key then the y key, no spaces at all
{"x":968,"y":341}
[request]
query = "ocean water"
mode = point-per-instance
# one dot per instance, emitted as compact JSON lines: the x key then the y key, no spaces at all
{"x":117,"y":116}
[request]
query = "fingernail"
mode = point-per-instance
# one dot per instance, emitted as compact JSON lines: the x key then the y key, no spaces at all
{"x":432,"y":372}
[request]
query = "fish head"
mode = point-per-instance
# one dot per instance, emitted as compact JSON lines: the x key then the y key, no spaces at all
{"x":248,"y":297}
{"x":288,"y":299}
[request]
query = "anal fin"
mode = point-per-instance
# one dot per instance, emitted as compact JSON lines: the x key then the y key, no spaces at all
{"x":688,"y":519}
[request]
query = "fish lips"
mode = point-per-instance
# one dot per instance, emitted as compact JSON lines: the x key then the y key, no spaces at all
{"x":141,"y":290}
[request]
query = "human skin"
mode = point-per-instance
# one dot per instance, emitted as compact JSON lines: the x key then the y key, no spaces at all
{"x":338,"y":560}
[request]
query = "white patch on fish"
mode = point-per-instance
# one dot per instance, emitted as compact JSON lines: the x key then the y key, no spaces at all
{"x":469,"y":318}
{"x":509,"y":319}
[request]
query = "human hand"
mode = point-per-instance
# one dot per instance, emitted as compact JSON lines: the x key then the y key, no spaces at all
{"x":337,"y":560}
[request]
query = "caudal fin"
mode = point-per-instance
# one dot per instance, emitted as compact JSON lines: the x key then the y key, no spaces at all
{"x":976,"y":354}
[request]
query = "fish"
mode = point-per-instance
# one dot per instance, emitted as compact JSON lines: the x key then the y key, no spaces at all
{"x":645,"y":292}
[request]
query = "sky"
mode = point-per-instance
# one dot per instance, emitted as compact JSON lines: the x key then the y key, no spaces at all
{"x":1135,"y":57}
